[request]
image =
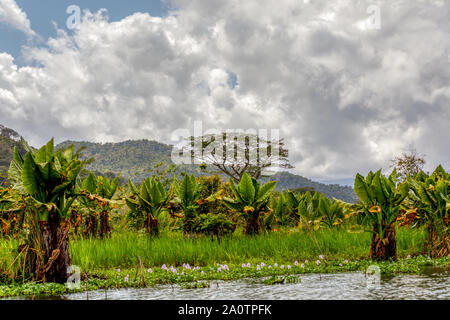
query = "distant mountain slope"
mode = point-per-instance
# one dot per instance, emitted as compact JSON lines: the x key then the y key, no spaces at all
{"x":137,"y":158}
{"x":131,"y":158}
{"x":8,"y":140}
{"x":288,"y":180}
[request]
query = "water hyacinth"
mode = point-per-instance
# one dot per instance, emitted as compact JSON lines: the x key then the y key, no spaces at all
{"x":219,"y":269}
{"x":126,"y":278}
{"x":275,"y":265}
{"x":306,"y":261}
{"x":318,"y":262}
{"x":296,"y":263}
{"x":289,"y":267}
{"x":150,"y":270}
{"x":270,"y":266}
{"x":321,"y":257}
{"x":118,"y":270}
{"x":282,"y":266}
{"x":346,"y":261}
{"x":258,"y":268}
{"x":164,"y":267}
{"x":302,"y":265}
{"x":248,"y":265}
{"x":243,"y":265}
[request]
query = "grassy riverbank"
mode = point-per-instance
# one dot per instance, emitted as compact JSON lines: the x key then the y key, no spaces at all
{"x":124,"y":250}
{"x":196,"y":276}
{"x":114,"y":263}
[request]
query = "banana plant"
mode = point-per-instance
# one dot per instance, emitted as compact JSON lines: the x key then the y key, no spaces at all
{"x":306,"y":208}
{"x":250,"y":200}
{"x":48,"y":178}
{"x":98,"y":193}
{"x":10,"y":217}
{"x":430,"y":206}
{"x":188,"y":194}
{"x":308,"y":211}
{"x":380,"y":200}
{"x":283,"y":211}
{"x":331,"y":212}
{"x":149,"y":202}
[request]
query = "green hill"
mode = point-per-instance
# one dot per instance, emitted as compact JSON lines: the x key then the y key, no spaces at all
{"x":291,"y":181}
{"x":8,"y":140}
{"x":132,"y":158}
{"x":137,"y":159}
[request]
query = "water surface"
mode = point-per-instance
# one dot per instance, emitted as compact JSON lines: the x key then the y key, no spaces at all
{"x":342,"y":286}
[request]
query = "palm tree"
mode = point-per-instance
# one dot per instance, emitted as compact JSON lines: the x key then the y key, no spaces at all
{"x":380,"y":200}
{"x":188,"y":194}
{"x":149,"y":202}
{"x":251,"y":199}
{"x":430,"y":207}
{"x":100,"y":193}
{"x":48,"y":179}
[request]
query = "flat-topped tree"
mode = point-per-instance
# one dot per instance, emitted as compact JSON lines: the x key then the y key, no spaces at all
{"x":236,"y":153}
{"x":48,"y":180}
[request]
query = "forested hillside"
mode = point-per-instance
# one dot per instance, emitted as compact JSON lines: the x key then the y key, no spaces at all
{"x":8,"y":140}
{"x":136,"y":159}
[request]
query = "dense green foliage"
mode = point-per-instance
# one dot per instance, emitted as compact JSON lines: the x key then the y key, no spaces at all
{"x":202,"y":219}
{"x":147,"y":203}
{"x":250,"y":200}
{"x":430,"y":206}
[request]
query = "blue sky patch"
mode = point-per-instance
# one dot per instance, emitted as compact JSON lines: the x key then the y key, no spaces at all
{"x":42,"y":13}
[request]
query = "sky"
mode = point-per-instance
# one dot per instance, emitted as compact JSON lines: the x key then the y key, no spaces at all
{"x":350,"y":84}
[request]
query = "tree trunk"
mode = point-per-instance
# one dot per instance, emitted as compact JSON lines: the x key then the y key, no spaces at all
{"x":152,"y":226}
{"x":104,"y":224}
{"x":386,"y":248}
{"x":253,"y":226}
{"x":55,"y":249}
{"x":438,"y":243}
{"x":189,"y":221}
{"x":91,"y":226}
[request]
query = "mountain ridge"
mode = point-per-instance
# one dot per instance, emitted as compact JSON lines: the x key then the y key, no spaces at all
{"x":137,"y":159}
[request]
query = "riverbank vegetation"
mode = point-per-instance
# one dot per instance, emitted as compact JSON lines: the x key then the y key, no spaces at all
{"x":164,"y":230}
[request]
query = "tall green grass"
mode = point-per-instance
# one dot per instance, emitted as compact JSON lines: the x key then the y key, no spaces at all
{"x":124,"y":249}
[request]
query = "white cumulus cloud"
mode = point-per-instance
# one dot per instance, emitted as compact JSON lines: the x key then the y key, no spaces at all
{"x":345,"y":98}
{"x":12,"y":15}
